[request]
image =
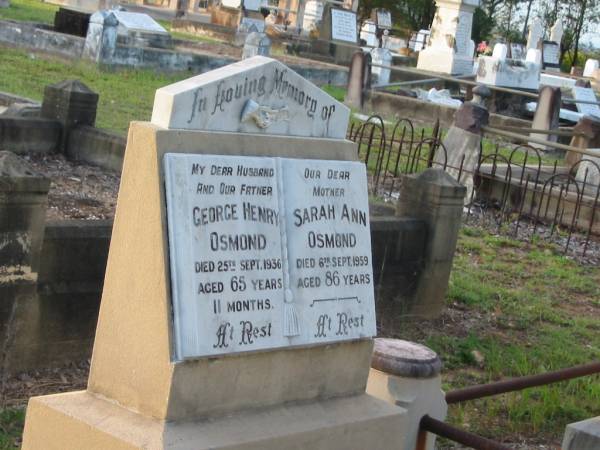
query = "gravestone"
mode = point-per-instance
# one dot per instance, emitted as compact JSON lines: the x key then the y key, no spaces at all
{"x":534,"y":56}
{"x":237,"y":309}
{"x":591,"y":65}
{"x":500,"y":51}
{"x":448,"y":50}
{"x":536,"y":34}
{"x":586,"y":94}
{"x":343,"y":25}
{"x":72,"y":22}
{"x":368,"y":33}
{"x":101,"y":40}
{"x":384,"y":19}
{"x":498,"y":70}
{"x":381,"y":57}
{"x":556,"y":32}
{"x":313,"y":13}
{"x":138,"y":29}
{"x":4,"y":3}
{"x":257,"y":44}
{"x":421,"y":40}
{"x":551,"y":56}
{"x":588,"y":168}
{"x":517,"y":51}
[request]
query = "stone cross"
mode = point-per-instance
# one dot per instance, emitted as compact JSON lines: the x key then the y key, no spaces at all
{"x":536,"y":34}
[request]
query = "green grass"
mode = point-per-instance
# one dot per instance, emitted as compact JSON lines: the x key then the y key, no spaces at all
{"x":125,"y":95}
{"x":183,"y":35}
{"x":536,"y":311}
{"x":29,"y":11}
{"x":11,"y":427}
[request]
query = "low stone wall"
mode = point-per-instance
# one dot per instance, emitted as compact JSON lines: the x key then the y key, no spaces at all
{"x":73,"y":259}
{"x":33,"y":36}
{"x":98,"y":147}
{"x":20,"y":134}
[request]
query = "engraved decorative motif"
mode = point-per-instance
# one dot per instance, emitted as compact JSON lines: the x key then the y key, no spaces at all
{"x":263,"y":116}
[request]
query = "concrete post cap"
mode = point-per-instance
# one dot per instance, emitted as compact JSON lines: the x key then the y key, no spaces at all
{"x":405,"y":359}
{"x":17,"y":175}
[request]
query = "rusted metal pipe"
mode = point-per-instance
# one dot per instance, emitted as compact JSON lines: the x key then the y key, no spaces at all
{"x":457,"y":435}
{"x":517,"y":384}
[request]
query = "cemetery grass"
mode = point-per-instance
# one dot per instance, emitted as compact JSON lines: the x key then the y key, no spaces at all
{"x":29,"y":11}
{"x":515,"y":309}
{"x":11,"y":426}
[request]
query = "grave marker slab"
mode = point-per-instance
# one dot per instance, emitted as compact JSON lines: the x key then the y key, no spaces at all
{"x":138,"y":22}
{"x":384,"y":19}
{"x":551,"y":55}
{"x":586,"y":94}
{"x":343,"y":25}
{"x":263,"y":256}
{"x":256,"y":95}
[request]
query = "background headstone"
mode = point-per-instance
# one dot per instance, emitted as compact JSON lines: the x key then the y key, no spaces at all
{"x":448,"y":50}
{"x":382,"y":57}
{"x":586,"y":94}
{"x":556,"y":32}
{"x":500,"y":51}
{"x":551,"y":55}
{"x":313,"y":13}
{"x":536,"y":34}
{"x":534,"y":55}
{"x":517,"y":51}
{"x":101,"y":40}
{"x":591,"y":65}
{"x":343,"y":25}
{"x":257,"y":44}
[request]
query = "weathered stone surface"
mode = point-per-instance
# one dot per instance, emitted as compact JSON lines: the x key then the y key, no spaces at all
{"x":405,"y":359}
{"x":547,"y":115}
{"x":471,"y":117}
{"x":359,"y":79}
{"x":257,"y":95}
{"x":591,"y":65}
{"x":448,"y":50}
{"x":584,"y":435}
{"x":256,"y":44}
{"x":587,"y":136}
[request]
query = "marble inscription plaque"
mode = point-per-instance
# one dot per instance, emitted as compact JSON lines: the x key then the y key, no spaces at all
{"x":267,"y":253}
{"x":384,"y":19}
{"x":588,"y":95}
{"x":343,"y":25}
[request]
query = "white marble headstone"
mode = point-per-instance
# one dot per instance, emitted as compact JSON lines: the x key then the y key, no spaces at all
{"x":343,"y":25}
{"x":591,"y":65}
{"x":256,"y":95}
{"x":556,"y":32}
{"x":586,"y":94}
{"x":267,"y":253}
{"x":536,"y":34}
{"x":534,"y":56}
{"x":384,"y":19}
{"x":138,"y":22}
{"x":500,"y":51}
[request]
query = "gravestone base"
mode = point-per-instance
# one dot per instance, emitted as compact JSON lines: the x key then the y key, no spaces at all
{"x":443,"y":61}
{"x":67,"y":421}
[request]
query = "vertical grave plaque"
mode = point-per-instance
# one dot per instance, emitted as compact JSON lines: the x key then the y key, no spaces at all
{"x":343,"y":25}
{"x":267,"y":253}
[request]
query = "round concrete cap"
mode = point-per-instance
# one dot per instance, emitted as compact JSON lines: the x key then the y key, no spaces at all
{"x":405,"y":359}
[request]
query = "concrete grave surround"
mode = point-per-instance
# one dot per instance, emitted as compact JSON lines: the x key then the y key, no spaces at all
{"x":291,"y":287}
{"x":584,"y":435}
{"x":448,"y":50}
{"x":256,"y":95}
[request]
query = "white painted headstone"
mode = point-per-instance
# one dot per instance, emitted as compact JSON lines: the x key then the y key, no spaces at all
{"x":536,"y":34}
{"x":249,"y":25}
{"x":588,"y":169}
{"x":517,"y":51}
{"x":368,"y":33}
{"x":313,"y":13}
{"x":256,"y":95}
{"x":381,"y":57}
{"x":591,"y":65}
{"x":384,"y":19}
{"x":138,"y":22}
{"x":534,"y":56}
{"x":586,"y":94}
{"x":267,"y":253}
{"x":556,"y":32}
{"x":343,"y":25}
{"x":500,"y":51}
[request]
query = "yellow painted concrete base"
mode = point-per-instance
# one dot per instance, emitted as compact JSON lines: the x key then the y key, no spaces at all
{"x":80,"y":420}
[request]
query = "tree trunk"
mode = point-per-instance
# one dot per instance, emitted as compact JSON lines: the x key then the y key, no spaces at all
{"x":578,"y":32}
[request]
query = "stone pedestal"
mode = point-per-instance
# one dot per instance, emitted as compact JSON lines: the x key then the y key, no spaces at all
{"x":71,"y":103}
{"x":408,"y":375}
{"x":449,"y":44}
{"x":436,"y":198}
{"x":23,"y":198}
{"x":138,"y":396}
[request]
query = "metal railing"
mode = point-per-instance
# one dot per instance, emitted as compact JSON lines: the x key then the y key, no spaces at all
{"x":514,"y":184}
